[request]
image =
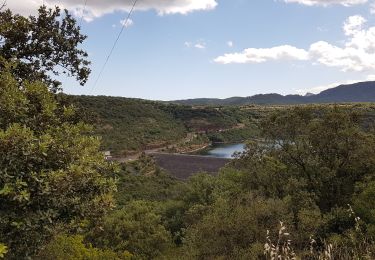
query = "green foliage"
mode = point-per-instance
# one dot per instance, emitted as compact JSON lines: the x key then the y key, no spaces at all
{"x":203,"y":118}
{"x":363,"y":202}
{"x":152,"y":185}
{"x":326,"y":150}
{"x":136,"y":228}
{"x":3,"y":250}
{"x":308,"y":157}
{"x":232,"y":227}
{"x":200,"y":189}
{"x":43,"y":45}
{"x":65,"y":247}
{"x":235,"y":135}
{"x":52,"y":176}
{"x":127,"y":124}
{"x":312,"y":163}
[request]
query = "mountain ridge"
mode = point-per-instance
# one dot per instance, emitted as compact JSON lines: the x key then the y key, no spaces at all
{"x":357,"y":92}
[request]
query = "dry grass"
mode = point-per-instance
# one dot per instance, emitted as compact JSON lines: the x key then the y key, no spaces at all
{"x":357,"y":246}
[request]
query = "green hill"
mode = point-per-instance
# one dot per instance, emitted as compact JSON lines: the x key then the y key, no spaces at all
{"x":133,"y":124}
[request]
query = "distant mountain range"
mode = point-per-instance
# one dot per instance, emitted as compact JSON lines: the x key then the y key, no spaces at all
{"x":358,"y":92}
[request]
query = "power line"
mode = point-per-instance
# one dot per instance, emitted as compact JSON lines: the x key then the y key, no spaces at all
{"x":124,"y":25}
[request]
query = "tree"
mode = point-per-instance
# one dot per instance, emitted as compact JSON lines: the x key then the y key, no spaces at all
{"x":233,"y":229}
{"x":52,"y":176}
{"x":325,"y":148}
{"x":136,"y":228}
{"x":72,"y":247}
{"x":316,"y":160}
{"x":43,"y":45}
{"x":364,"y":206}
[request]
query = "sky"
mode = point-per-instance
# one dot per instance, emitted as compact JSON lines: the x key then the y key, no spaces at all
{"x":180,"y":49}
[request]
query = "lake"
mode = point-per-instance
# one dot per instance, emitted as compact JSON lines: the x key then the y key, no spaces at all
{"x":223,"y":150}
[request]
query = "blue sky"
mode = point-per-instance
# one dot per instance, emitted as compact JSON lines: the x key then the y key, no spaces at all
{"x":178,"y":49}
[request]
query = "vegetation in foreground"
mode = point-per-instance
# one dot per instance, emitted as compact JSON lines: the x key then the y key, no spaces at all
{"x":307,"y":194}
{"x":315,"y":163}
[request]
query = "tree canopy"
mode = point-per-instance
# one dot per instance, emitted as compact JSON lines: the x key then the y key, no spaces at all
{"x":52,"y":175}
{"x":43,"y":46}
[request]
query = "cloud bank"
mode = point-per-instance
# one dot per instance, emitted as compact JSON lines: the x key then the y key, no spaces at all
{"x":372,"y":8}
{"x":327,"y":2}
{"x":356,"y":54}
{"x":253,"y":55}
{"x":98,"y":8}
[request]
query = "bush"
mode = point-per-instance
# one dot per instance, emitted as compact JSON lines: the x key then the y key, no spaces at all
{"x":65,"y":247}
{"x":52,"y":175}
{"x":136,"y":228}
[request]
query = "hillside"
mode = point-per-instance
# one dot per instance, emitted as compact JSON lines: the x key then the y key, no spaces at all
{"x":358,"y":92}
{"x":132,"y":125}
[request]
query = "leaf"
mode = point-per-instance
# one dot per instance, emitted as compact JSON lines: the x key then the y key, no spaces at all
{"x":3,"y":250}
{"x":6,"y":190}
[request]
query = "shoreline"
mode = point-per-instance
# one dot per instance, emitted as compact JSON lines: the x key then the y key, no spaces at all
{"x":198,"y":149}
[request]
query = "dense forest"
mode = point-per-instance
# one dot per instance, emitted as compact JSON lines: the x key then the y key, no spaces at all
{"x":306,"y":191}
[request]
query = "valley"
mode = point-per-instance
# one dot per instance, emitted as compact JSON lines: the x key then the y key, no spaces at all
{"x":129,"y":127}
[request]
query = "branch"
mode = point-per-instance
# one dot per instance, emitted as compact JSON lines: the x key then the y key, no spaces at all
{"x":3,"y":5}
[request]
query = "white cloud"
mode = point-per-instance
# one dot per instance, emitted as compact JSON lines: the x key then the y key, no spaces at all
{"x":322,"y":29}
{"x":327,"y":2}
{"x":356,"y":54}
{"x":230,"y":44}
{"x":198,"y":45}
{"x":253,"y":55}
{"x":127,"y":23}
{"x":353,"y":25}
{"x":98,"y":8}
{"x":372,"y":8}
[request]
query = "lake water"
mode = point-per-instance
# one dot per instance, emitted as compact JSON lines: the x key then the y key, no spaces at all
{"x":223,"y":150}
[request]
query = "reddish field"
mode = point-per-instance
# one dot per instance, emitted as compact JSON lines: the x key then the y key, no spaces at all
{"x":184,"y":166}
